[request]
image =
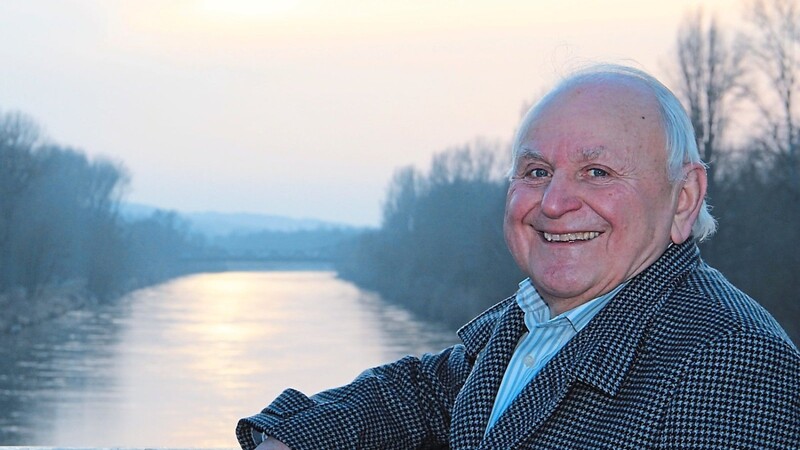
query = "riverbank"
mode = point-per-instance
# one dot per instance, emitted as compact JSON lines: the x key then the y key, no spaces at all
{"x":19,"y":310}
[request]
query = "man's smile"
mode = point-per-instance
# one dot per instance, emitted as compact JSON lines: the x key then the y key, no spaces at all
{"x":570,"y":237}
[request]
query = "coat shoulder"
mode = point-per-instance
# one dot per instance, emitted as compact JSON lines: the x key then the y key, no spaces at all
{"x":709,"y":305}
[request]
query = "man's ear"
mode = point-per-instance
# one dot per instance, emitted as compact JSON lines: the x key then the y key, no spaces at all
{"x":691,"y":193}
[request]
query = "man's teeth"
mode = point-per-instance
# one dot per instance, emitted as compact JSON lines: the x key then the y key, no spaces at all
{"x":569,"y":237}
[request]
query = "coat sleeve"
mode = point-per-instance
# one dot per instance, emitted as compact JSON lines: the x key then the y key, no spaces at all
{"x":405,"y":404}
{"x":740,"y":391}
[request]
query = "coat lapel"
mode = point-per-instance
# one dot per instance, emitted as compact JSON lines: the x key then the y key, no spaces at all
{"x":475,"y":401}
{"x":533,"y":405}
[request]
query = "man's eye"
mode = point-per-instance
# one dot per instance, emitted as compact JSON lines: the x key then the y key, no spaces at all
{"x":595,"y":172}
{"x":537,"y":173}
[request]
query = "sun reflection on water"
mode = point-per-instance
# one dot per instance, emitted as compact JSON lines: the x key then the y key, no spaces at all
{"x":197,"y":353}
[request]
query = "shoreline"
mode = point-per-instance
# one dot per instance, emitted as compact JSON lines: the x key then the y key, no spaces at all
{"x":20,"y":310}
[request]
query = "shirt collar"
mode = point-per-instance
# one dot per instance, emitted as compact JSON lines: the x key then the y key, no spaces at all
{"x":537,"y":313}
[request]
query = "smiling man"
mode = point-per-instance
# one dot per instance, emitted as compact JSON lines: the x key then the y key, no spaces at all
{"x":621,"y":337}
{"x":591,"y":203}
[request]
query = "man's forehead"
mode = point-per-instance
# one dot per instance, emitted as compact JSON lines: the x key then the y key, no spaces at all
{"x":628,"y":100}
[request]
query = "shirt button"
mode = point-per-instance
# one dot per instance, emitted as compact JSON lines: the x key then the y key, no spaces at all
{"x":529,"y":361}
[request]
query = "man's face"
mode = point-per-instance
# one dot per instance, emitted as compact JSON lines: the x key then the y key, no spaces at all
{"x":590,"y":205}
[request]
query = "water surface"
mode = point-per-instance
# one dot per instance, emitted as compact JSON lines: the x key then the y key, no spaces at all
{"x":177,"y":364}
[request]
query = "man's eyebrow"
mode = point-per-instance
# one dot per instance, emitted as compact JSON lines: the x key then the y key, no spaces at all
{"x":592,"y":153}
{"x":529,"y":153}
{"x":586,"y":154}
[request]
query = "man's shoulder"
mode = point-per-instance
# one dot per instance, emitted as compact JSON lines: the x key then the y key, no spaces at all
{"x":708,"y":305}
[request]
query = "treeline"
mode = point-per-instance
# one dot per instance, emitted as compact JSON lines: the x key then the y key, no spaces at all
{"x":440,"y":248}
{"x":60,"y":232}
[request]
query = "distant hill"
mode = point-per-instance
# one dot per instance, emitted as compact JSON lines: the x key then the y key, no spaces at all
{"x":215,"y":224}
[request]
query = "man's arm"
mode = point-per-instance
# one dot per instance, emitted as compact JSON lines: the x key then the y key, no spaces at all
{"x":405,"y":404}
{"x":741,"y":391}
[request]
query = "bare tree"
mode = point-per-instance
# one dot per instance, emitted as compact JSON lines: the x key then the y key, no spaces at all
{"x":711,"y":71}
{"x":773,"y":38}
{"x":19,"y":139}
{"x":401,"y":197}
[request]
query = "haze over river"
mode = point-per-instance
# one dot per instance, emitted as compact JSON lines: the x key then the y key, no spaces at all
{"x":177,"y":364}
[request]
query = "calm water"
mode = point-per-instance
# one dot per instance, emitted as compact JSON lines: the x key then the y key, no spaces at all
{"x":177,"y":364}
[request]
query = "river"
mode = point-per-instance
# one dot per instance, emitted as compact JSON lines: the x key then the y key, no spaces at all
{"x":177,"y":364}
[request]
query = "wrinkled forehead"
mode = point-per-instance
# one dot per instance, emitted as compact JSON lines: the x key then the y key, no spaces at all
{"x":627,"y":104}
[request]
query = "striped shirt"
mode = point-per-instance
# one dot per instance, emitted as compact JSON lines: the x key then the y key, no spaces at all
{"x":545,"y":337}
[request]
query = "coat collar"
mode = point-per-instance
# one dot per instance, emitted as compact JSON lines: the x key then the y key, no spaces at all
{"x":600,"y":355}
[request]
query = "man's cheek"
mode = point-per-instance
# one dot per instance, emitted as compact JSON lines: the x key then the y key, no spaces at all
{"x":518,"y":205}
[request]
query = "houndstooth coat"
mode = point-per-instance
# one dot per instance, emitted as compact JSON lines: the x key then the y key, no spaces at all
{"x":678,"y":359}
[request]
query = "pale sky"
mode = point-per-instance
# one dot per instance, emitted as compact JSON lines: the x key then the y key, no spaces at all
{"x":303,"y":108}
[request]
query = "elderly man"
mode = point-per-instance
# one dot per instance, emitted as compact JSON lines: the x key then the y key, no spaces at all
{"x":622,"y":337}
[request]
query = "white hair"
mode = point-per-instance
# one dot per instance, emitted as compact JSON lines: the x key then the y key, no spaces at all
{"x":681,"y":146}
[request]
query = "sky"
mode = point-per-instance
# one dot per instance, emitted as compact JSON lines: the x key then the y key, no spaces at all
{"x":304,"y":108}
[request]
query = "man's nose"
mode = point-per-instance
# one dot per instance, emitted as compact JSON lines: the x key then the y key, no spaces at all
{"x":560,"y":197}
